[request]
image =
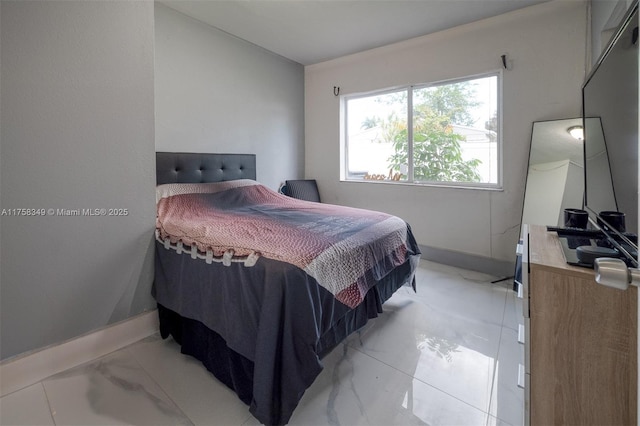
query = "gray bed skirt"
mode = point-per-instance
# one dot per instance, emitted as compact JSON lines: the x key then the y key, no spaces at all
{"x":261,"y":330}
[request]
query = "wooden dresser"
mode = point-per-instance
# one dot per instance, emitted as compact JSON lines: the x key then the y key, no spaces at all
{"x":580,"y":340}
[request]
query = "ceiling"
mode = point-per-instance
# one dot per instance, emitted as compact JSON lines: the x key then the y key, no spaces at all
{"x":551,"y":141}
{"x":312,"y":31}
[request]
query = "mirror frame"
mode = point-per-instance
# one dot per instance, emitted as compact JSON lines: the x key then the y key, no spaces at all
{"x":570,"y":151}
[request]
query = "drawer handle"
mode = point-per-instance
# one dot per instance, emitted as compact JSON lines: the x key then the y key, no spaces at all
{"x":521,"y":336}
{"x":521,"y":376}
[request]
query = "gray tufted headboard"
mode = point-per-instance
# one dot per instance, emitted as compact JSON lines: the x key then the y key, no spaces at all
{"x":187,"y":167}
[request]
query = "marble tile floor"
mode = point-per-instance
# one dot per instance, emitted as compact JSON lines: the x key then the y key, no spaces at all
{"x":446,"y":355}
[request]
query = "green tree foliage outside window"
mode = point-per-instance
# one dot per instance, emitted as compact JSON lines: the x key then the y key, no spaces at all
{"x":437,"y":153}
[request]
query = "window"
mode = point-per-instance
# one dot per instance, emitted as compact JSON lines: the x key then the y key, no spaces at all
{"x":445,"y":133}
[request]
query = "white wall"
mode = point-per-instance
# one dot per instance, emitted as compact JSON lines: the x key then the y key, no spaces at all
{"x":77,"y":131}
{"x":217,"y":93}
{"x":546,"y":184}
{"x":545,"y":47}
{"x":573,"y":190}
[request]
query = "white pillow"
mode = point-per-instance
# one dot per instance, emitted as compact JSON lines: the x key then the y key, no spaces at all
{"x":169,"y":189}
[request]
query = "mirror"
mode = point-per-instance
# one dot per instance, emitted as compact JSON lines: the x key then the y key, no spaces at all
{"x":555,"y":178}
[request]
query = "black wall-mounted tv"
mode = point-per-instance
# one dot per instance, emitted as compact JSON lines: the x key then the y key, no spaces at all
{"x":610,"y":114}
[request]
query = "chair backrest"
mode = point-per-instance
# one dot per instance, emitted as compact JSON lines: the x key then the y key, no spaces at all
{"x":303,"y":189}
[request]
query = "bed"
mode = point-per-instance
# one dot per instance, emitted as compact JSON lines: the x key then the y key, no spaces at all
{"x":260,"y":321}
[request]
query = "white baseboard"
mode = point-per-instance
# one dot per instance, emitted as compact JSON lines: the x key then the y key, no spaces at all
{"x":22,"y":371}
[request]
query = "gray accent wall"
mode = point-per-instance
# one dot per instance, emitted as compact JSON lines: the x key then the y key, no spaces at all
{"x":77,"y":132}
{"x":217,"y":93}
{"x":90,"y":90}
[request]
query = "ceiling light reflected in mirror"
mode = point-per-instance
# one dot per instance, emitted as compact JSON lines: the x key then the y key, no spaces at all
{"x":577,"y":132}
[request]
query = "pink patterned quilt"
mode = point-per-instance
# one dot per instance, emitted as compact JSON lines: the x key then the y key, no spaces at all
{"x":346,"y":250}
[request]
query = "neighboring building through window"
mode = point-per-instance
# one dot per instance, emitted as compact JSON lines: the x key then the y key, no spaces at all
{"x":445,"y":133}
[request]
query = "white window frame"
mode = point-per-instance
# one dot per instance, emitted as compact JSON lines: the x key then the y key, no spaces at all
{"x":344,"y":146}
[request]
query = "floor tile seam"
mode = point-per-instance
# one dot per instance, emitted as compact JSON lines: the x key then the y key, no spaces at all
{"x":510,"y":327}
{"x":90,"y":361}
{"x":420,"y":380}
{"x":488,"y":289}
{"x":446,"y":284}
{"x":501,"y":419}
{"x":153,"y":379}
{"x":493,"y":376}
{"x":498,"y":384}
{"x":46,"y":397}
{"x":489,"y":416}
{"x":22,"y":388}
{"x":249,"y":415}
{"x":492,"y":394}
{"x":484,"y":411}
{"x":498,"y":321}
{"x":504,"y":310}
{"x":479,"y":321}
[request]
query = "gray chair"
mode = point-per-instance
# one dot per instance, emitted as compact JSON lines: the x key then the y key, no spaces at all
{"x":302,"y":189}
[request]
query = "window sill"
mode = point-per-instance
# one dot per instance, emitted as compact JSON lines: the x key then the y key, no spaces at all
{"x":448,"y":185}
